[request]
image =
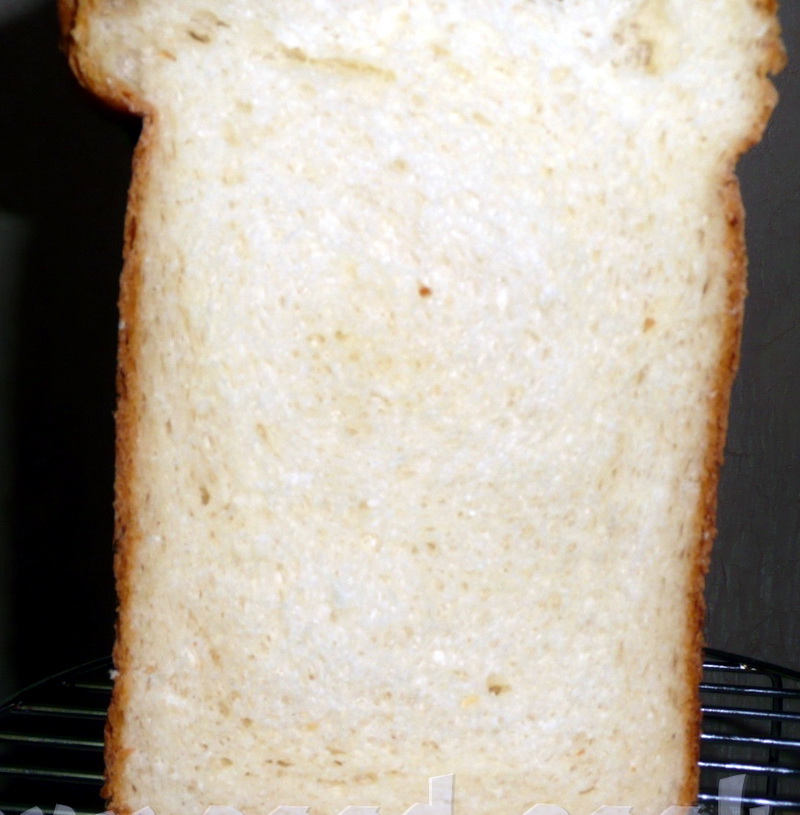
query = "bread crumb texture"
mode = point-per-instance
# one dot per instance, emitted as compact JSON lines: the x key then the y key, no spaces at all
{"x":433,"y":301}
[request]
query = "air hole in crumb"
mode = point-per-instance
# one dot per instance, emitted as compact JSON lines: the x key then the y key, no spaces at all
{"x":169,"y":427}
{"x":196,"y":35}
{"x":281,"y":763}
{"x":247,"y":722}
{"x":226,"y":762}
{"x":649,"y":322}
{"x":296,"y":54}
{"x":425,"y":291}
{"x":205,"y":496}
{"x":497,"y":685}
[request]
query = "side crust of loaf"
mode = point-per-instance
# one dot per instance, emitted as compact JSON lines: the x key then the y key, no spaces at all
{"x":126,"y":532}
{"x":774,"y":61}
{"x":73,"y":16}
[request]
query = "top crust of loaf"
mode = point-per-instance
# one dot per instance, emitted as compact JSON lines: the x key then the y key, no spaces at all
{"x":109,"y":41}
{"x":119,"y":88}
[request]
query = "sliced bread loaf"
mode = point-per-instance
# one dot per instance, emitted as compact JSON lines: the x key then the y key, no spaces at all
{"x":429,"y":317}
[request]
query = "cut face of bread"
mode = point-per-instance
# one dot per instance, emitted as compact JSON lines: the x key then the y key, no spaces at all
{"x":429,"y":319}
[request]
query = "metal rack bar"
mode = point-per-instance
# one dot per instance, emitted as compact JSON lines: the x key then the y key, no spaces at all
{"x":784,"y":744}
{"x":52,"y":741}
{"x":59,"y":710}
{"x":776,"y":803}
{"x":43,"y":774}
{"x":711,"y":687}
{"x":734,"y":767}
{"x":749,"y":713}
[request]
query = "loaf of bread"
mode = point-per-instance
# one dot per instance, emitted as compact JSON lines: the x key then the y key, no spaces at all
{"x":429,"y":317}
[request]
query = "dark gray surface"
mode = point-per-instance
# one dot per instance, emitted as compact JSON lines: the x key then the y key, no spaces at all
{"x":753,"y":589}
{"x":63,"y":174}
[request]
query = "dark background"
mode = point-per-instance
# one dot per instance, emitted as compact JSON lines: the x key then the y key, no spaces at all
{"x":64,"y":171}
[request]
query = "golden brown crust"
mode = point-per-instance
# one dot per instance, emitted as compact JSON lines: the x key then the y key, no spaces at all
{"x":127,"y":533}
{"x":73,"y":19}
{"x":72,"y":16}
{"x":719,"y":406}
{"x":773,"y":61}
{"x":768,"y":6}
{"x":66,"y":17}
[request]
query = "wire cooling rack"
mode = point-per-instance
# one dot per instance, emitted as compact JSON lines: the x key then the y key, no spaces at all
{"x":750,"y":735}
{"x":51,"y":742}
{"x":51,"y":739}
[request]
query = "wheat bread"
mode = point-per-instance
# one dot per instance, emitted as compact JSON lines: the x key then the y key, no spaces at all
{"x":429,"y":317}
